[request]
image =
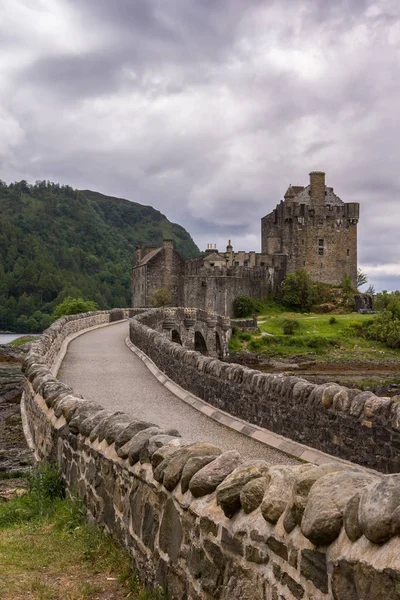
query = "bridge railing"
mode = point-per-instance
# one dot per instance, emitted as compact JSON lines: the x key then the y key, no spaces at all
{"x":204,"y":524}
{"x":351,"y":424}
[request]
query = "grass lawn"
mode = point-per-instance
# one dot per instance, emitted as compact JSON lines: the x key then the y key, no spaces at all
{"x":321,"y":337}
{"x":48,"y":552}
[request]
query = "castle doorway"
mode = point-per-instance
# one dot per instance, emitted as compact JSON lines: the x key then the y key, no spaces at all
{"x":175,"y":337}
{"x":200,"y":343}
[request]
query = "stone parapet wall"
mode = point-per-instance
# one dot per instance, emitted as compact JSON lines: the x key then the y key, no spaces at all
{"x":348,"y":423}
{"x":204,"y":524}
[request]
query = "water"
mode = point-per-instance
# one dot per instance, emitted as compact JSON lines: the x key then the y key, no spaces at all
{"x":9,"y":337}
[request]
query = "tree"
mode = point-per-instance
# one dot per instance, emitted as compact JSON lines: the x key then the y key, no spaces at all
{"x":73,"y":306}
{"x":299,"y":291}
{"x":161,"y":297}
{"x":243,"y":306}
{"x":370,"y":290}
{"x":362,"y":278}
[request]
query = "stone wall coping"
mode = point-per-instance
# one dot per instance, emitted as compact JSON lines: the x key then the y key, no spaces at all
{"x":269,"y":438}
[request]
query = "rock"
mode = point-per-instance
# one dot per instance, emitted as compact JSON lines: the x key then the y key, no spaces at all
{"x":209,"y":477}
{"x":131,"y":431}
{"x":377,"y":509}
{"x":114,"y":427}
{"x":153,"y":444}
{"x":174,"y":468}
{"x":193,"y":465}
{"x":278,"y":493}
{"x":252,"y":494}
{"x":67,"y":405}
{"x":171,"y":533}
{"x":304,"y":481}
{"x":350,"y":519}
{"x":166,"y":452}
{"x":87,"y":425}
{"x":328,"y":395}
{"x":12,"y":488}
{"x":228,"y":492}
{"x":83,"y":411}
{"x":327,"y":500}
{"x":132,"y":448}
{"x":97,"y":430}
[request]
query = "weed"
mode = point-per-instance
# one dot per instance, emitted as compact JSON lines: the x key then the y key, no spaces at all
{"x":333,"y":321}
{"x":290,"y":326}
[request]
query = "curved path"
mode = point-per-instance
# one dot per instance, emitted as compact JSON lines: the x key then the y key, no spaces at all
{"x":99,"y":366}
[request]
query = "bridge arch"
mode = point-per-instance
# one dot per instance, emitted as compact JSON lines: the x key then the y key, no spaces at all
{"x":175,"y":337}
{"x":200,"y":344}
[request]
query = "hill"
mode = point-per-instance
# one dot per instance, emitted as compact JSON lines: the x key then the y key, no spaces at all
{"x":56,"y":242}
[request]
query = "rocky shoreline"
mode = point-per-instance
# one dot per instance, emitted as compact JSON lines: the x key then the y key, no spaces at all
{"x":15,"y":456}
{"x":381,"y":378}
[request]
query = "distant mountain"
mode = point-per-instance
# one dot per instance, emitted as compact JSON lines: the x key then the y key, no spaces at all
{"x":56,"y":242}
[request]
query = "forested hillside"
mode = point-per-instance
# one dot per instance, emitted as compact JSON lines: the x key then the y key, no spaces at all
{"x":57,"y":242}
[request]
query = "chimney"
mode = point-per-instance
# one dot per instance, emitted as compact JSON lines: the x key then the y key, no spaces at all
{"x":149,"y":249}
{"x":168,"y":244}
{"x":138,"y":254}
{"x":317,"y":183}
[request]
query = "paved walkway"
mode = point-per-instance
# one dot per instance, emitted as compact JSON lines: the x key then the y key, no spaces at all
{"x":99,"y":366}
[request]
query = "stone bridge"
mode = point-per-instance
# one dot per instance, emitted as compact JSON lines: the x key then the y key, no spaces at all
{"x":202,"y":517}
{"x":195,"y":329}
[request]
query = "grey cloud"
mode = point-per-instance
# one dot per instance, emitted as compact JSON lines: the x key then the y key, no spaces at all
{"x":208,"y":110}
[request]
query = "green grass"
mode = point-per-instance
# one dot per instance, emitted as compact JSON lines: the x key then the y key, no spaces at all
{"x":23,"y":340}
{"x":315,"y":337}
{"x":49,"y":552}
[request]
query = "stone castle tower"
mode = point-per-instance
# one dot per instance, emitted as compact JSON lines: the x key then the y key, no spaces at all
{"x":311,"y":229}
{"x":316,"y":230}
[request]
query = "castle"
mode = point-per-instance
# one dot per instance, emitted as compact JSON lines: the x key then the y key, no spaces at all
{"x":311,"y":229}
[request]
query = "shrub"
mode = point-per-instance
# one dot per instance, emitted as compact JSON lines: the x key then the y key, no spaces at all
{"x":244,"y":336}
{"x":299,"y":291}
{"x":161,"y":297}
{"x":332,"y":321}
{"x":346,"y":285}
{"x":255,"y":345}
{"x":243,"y":306}
{"x":385,"y":328}
{"x":290,"y":326}
{"x":73,"y":306}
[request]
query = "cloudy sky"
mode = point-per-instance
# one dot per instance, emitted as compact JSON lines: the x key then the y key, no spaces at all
{"x":208,"y":109}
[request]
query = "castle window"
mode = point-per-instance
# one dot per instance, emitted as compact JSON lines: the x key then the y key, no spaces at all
{"x":302,"y":207}
{"x":246,"y":263}
{"x":236,"y":263}
{"x":213,"y":265}
{"x":348,"y":252}
{"x":304,"y":263}
{"x":320,"y":247}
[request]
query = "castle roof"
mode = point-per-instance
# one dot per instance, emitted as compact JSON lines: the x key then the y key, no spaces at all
{"x":303,"y":195}
{"x":149,"y":256}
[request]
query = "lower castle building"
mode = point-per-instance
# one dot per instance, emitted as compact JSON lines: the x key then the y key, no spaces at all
{"x":311,"y":229}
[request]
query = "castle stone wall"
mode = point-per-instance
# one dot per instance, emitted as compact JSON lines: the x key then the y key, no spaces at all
{"x":215,"y":289}
{"x":205,"y":525}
